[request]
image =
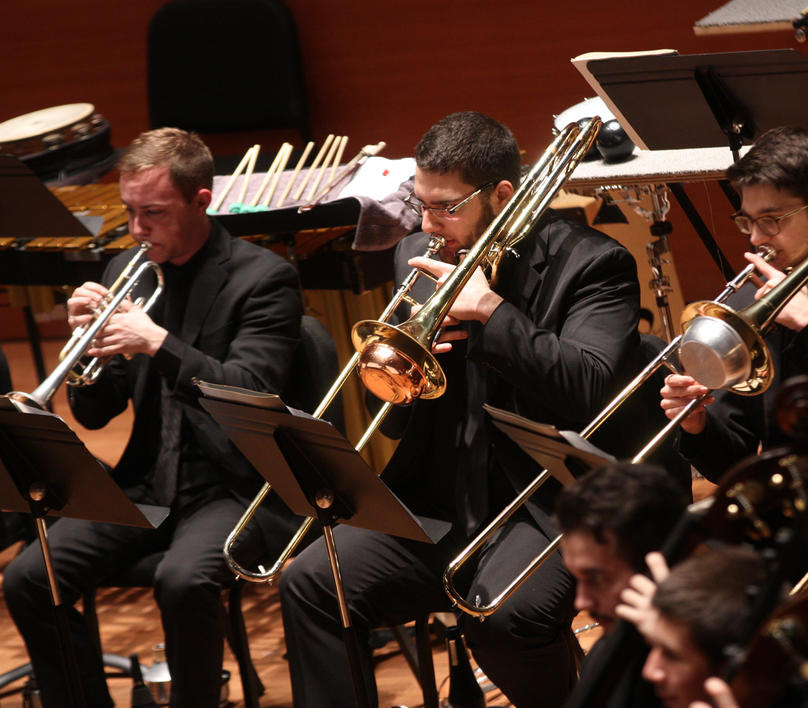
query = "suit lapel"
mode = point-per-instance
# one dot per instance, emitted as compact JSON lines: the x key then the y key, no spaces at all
{"x":206,"y":285}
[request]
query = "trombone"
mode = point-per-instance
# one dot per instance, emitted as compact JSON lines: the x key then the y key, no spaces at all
{"x":395,"y":362}
{"x":268,"y":576}
{"x":82,"y":337}
{"x":719,"y":347}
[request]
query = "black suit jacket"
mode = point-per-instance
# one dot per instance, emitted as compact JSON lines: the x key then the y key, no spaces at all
{"x":554,"y":352}
{"x":240,"y":327}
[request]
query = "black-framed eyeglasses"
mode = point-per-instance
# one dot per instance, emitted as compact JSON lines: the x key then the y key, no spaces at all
{"x":768,"y":225}
{"x":446,"y":211}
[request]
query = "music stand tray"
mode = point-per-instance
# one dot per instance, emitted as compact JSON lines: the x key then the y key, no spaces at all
{"x":314,"y":469}
{"x":45,"y":470}
{"x":563,"y":453}
{"x":668,"y":101}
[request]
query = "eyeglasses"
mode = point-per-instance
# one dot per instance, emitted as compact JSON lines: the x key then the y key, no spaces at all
{"x":768,"y":225}
{"x":442,"y":212}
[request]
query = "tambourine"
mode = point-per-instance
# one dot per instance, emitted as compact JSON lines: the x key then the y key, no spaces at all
{"x":59,"y":140}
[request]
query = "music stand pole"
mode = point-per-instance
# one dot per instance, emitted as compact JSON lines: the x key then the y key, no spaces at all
{"x":45,"y":469}
{"x":311,"y":465}
{"x":325,"y":500}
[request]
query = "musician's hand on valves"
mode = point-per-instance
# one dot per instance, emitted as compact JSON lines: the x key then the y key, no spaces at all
{"x":679,"y":390}
{"x":129,"y":331}
{"x":83,"y":303}
{"x":794,"y":314}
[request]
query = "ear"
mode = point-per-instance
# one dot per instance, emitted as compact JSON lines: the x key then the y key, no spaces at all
{"x":203,"y":198}
{"x":502,"y":192}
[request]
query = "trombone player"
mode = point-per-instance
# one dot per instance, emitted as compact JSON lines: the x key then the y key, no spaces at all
{"x":773,"y":181}
{"x":547,"y":342}
{"x":230,"y":313}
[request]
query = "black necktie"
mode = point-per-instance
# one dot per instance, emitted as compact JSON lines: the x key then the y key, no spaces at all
{"x":166,"y":468}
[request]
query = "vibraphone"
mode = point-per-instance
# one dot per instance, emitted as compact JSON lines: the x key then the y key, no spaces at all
{"x":319,"y":241}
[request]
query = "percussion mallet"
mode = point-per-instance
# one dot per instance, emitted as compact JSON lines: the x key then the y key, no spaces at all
{"x":300,"y":163}
{"x":238,"y":206}
{"x":218,"y":203}
{"x":347,"y":171}
{"x":268,"y":176}
{"x":287,"y":151}
{"x":324,"y":168}
{"x":313,"y":167}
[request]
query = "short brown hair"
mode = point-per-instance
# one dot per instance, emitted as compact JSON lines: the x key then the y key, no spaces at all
{"x":188,"y":159}
{"x":711,"y":594}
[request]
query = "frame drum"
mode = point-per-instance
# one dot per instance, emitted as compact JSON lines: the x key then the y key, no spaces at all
{"x":60,"y":141}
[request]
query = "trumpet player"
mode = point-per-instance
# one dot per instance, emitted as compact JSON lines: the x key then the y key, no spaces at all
{"x":547,"y":342}
{"x":773,"y":181}
{"x":230,"y":313}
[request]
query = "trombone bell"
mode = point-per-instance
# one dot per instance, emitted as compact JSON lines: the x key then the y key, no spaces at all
{"x":722,"y":351}
{"x":394,"y":366}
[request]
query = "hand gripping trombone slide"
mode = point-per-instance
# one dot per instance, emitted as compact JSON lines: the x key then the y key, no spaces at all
{"x":395,"y":362}
{"x":719,"y":347}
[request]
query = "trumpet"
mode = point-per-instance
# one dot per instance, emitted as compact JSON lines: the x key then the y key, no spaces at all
{"x":395,"y":362}
{"x":693,"y":348}
{"x":69,"y":367}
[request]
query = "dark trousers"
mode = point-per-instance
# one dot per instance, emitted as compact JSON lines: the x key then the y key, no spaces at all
{"x":187,"y":588}
{"x":526,"y":647}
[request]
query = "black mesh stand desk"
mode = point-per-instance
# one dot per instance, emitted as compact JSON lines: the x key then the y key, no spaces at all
{"x":45,"y":470}
{"x":313,"y":467}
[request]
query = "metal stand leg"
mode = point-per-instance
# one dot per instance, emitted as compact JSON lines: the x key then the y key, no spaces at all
{"x":69,"y":663}
{"x":324,"y":501}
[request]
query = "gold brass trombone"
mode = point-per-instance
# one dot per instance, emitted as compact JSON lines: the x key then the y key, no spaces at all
{"x":82,"y":337}
{"x":716,"y":342}
{"x":395,"y":362}
{"x":268,"y":576}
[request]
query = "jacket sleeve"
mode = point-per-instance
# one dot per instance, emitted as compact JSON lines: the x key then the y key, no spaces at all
{"x":571,"y":369}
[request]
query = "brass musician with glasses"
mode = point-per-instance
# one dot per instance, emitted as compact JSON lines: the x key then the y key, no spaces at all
{"x":547,"y":341}
{"x":773,"y":181}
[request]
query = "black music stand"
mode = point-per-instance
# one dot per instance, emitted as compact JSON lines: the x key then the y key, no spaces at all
{"x":672,"y":101}
{"x":45,"y":470}
{"x":312,"y":466}
{"x":563,"y":453}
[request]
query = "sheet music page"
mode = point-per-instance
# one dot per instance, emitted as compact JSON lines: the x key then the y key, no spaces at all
{"x":236,"y":394}
{"x":378,"y":176}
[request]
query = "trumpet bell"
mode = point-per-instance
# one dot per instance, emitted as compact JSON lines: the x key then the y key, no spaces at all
{"x":394,"y":366}
{"x":721,"y":350}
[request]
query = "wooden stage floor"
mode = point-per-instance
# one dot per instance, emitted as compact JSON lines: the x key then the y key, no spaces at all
{"x":130,"y":622}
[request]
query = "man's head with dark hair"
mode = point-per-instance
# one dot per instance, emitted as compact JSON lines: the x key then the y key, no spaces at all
{"x":477,"y":147}
{"x":610,"y":519}
{"x":778,"y":158}
{"x":773,"y":181}
{"x":466,"y":170}
{"x":702,"y":609}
